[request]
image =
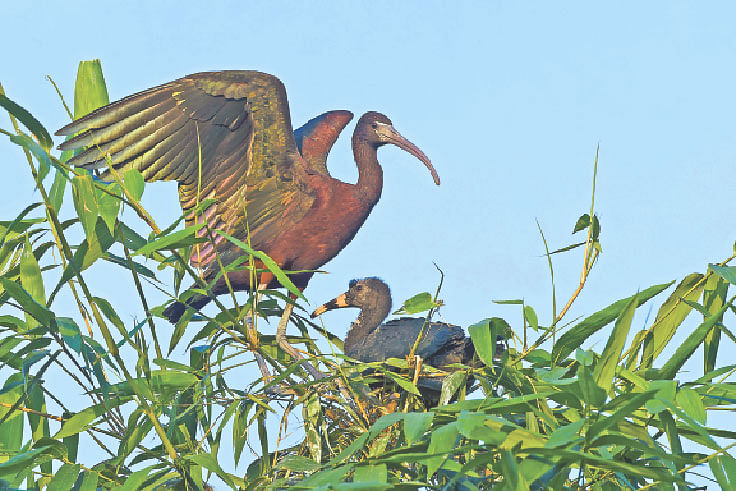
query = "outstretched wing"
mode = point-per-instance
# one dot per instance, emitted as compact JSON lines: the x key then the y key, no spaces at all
{"x":240,"y":122}
{"x":315,"y":138}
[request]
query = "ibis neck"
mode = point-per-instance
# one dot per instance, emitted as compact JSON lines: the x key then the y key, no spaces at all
{"x":369,"y":319}
{"x":370,"y":173}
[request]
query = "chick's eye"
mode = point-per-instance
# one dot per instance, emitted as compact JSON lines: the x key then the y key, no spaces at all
{"x":374,"y":126}
{"x":359,"y":288}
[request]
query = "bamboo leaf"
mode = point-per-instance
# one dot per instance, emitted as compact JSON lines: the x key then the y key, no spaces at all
{"x":441,"y":442}
{"x":64,"y":477}
{"x":688,"y":347}
{"x":450,"y":386}
{"x":577,"y":334}
{"x":30,"y":122}
{"x":90,"y":89}
{"x":691,"y":402}
{"x":56,"y":193}
{"x":421,"y":302}
{"x":171,"y":241}
{"x":483,"y":340}
{"x":11,"y":437}
{"x":268,"y":262}
{"x":565,"y":435}
{"x":31,"y":279}
{"x":582,"y":223}
{"x":134,"y":183}
{"x":26,"y":301}
{"x":728,"y":273}
{"x":89,"y":482}
{"x":81,"y":420}
{"x":671,"y":314}
{"x":85,"y":203}
{"x":415,"y":425}
{"x":108,"y":204}
{"x":135,"y":481}
{"x":297,"y":463}
{"x":405,"y":384}
{"x":714,"y":296}
{"x":606,"y":368}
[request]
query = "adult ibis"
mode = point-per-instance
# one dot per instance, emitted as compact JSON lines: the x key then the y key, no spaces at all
{"x":239,"y":122}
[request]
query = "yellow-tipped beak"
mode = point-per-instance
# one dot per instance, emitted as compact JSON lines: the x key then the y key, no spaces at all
{"x":336,"y":303}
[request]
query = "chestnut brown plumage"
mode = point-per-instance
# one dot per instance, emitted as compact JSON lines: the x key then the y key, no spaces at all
{"x":296,"y":212}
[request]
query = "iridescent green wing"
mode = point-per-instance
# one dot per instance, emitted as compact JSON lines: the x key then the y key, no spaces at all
{"x":240,"y":122}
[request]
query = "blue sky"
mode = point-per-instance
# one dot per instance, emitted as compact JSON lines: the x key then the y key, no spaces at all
{"x":509,"y":101}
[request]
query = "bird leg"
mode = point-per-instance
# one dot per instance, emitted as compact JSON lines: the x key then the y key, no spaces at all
{"x":284,"y":343}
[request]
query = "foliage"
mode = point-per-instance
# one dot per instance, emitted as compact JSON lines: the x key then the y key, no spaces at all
{"x":546,"y":415}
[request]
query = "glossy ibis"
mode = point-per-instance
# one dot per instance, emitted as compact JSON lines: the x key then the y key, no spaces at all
{"x":296,"y":212}
{"x":368,"y":340}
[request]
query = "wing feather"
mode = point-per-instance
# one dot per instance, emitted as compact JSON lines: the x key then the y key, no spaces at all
{"x":238,"y":120}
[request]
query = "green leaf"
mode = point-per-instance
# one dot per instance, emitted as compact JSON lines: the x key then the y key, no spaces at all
{"x":297,"y":463}
{"x":210,"y":463}
{"x":728,"y":273}
{"x":85,"y":203}
{"x":161,"y":383}
{"x":441,"y":442}
{"x":531,"y":317}
{"x":90,"y":90}
{"x":134,"y":183}
{"x":688,"y":347}
{"x":268,"y":262}
{"x":606,"y":367}
{"x":11,"y":436}
{"x":135,"y":481}
{"x":31,"y":280}
{"x":69,"y":330}
{"x":633,"y":404}
{"x":41,"y":154}
{"x":64,"y":477}
{"x":415,"y":425}
{"x":591,"y":392}
{"x":371,"y":474}
{"x":86,"y":254}
{"x":56,"y":193}
{"x":515,"y":301}
{"x":108,"y":204}
{"x":451,"y":384}
{"x":567,"y":248}
{"x":582,"y":223}
{"x":37,"y":402}
{"x":692,"y":403}
{"x":311,"y":412}
{"x":28,"y":121}
{"x":171,"y":241}
{"x":480,"y":334}
{"x":404,"y":383}
{"x":81,"y":420}
{"x":714,"y":296}
{"x":421,"y":302}
{"x":565,"y":435}
{"x":671,"y":314}
{"x":43,"y":451}
{"x":89,"y":481}
{"x":29,"y":305}
{"x":576,"y":335}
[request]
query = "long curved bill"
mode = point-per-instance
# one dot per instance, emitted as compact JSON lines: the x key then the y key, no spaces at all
{"x":393,"y":136}
{"x":338,"y":302}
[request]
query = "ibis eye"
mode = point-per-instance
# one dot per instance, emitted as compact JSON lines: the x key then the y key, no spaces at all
{"x":374,"y":126}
